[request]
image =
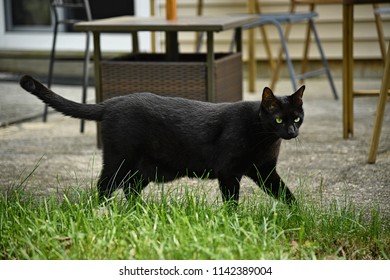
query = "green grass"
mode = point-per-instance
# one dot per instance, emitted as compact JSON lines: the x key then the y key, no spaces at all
{"x":72,"y":226}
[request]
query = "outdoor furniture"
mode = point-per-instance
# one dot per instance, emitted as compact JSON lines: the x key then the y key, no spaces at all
{"x":206,"y":69}
{"x":253,"y":6}
{"x":307,"y":40}
{"x":288,"y":18}
{"x":378,"y":11}
{"x":210,"y":25}
{"x":381,"y":108}
{"x":348,"y":22}
{"x":285,"y":19}
{"x":68,"y":5}
{"x":277,"y":20}
{"x":348,"y":91}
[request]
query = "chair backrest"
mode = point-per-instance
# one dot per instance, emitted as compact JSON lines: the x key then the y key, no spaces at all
{"x":68,"y":3}
{"x":72,"y":6}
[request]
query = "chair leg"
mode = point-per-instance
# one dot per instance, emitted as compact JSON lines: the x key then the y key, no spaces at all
{"x":323,"y":58}
{"x":276,"y":72}
{"x":380,"y":110}
{"x":307,"y":46}
{"x":287,"y":55}
{"x":51,"y":67}
{"x":198,"y":36}
{"x":379,"y":29}
{"x":267,"y":45}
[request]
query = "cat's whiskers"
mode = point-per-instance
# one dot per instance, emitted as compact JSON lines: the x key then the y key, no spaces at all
{"x":297,"y":141}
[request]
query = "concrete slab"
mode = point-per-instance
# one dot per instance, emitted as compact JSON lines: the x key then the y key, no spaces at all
{"x":318,"y":163}
{"x":17,"y":106}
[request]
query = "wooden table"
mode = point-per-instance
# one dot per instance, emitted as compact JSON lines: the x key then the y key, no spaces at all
{"x":130,"y":24}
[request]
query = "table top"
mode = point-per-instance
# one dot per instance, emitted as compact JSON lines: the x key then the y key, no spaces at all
{"x":187,"y":23}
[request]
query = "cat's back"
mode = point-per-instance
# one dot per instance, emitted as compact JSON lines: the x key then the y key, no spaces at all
{"x":147,"y":99}
{"x":149,"y":103}
{"x":148,"y":109}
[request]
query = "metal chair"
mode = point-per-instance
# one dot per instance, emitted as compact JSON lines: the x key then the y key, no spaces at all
{"x":68,"y":5}
{"x":288,"y":18}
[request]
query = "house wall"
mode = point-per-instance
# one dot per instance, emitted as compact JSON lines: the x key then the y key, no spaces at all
{"x":329,"y":26}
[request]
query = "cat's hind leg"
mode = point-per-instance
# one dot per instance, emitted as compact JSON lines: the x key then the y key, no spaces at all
{"x":113,"y":176}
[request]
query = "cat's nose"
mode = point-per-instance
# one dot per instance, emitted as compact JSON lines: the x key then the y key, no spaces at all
{"x":292,"y":131}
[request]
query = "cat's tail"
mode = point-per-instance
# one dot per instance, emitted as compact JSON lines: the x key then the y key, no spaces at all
{"x":63,"y":105}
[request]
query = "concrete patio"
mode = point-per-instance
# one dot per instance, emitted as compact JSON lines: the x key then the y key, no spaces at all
{"x":320,"y":162}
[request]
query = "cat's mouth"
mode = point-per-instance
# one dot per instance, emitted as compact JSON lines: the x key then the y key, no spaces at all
{"x":289,"y":135}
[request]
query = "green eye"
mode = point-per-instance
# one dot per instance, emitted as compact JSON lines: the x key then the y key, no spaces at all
{"x":297,"y":119}
{"x":278,"y":120}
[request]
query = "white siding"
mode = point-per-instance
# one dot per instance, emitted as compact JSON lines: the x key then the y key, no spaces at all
{"x":329,"y":26}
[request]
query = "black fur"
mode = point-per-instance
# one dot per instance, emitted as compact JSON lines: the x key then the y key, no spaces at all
{"x":147,"y":138}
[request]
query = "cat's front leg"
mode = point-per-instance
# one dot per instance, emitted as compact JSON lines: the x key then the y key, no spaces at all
{"x":230,"y":188}
{"x":133,"y":187}
{"x":269,"y":180}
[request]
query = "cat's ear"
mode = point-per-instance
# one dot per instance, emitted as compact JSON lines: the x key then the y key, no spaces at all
{"x":268,"y":100}
{"x":297,"y":96}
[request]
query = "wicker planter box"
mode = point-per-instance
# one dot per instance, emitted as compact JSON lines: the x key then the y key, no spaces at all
{"x":184,"y":78}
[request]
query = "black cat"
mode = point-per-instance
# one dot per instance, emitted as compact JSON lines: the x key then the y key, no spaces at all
{"x":147,"y":138}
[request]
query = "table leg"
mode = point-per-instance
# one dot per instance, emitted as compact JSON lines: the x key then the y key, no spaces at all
{"x":134,"y":42}
{"x":210,"y":67}
{"x":98,"y":79}
{"x":172,"y":46}
{"x":347,"y":71}
{"x":153,"y":34}
{"x":238,"y":39}
{"x":380,"y":111}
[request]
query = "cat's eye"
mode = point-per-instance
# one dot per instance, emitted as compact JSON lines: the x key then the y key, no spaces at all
{"x":278,"y":120}
{"x":297,"y":119}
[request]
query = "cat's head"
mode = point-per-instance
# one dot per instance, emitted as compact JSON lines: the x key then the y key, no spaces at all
{"x":282,"y":115}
